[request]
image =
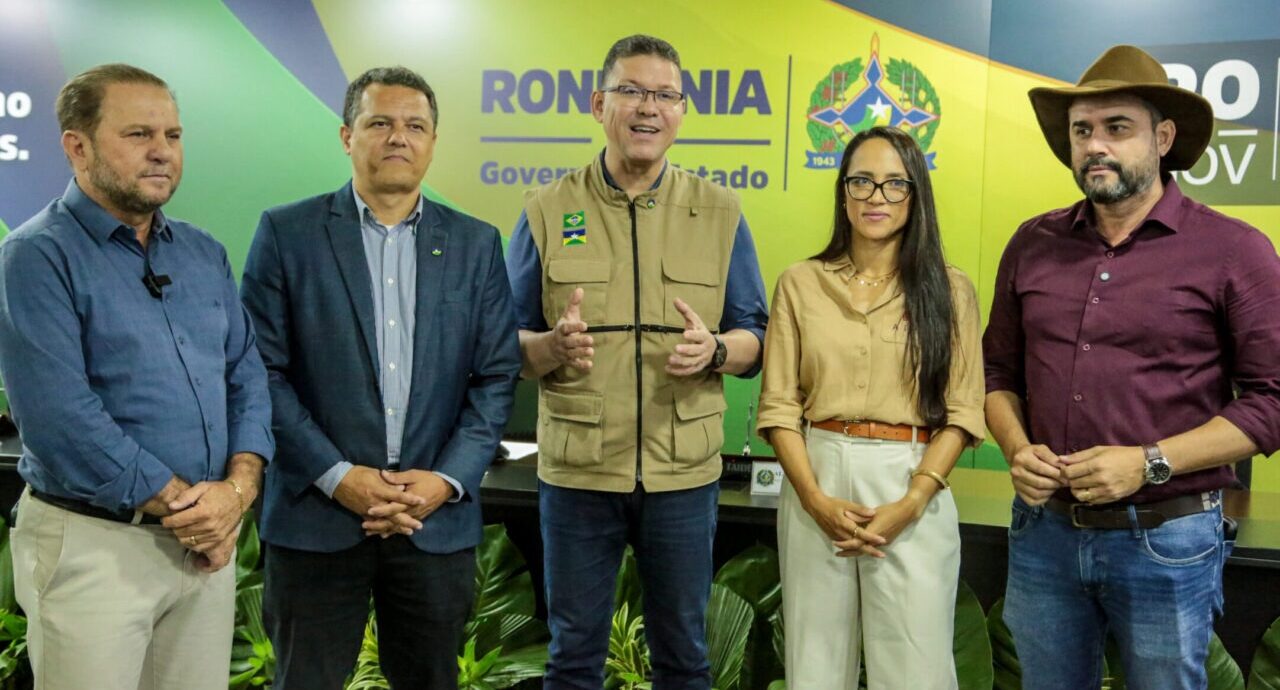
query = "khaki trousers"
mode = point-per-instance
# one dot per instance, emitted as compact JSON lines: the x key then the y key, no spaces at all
{"x":114,"y":606}
{"x":901,"y":608}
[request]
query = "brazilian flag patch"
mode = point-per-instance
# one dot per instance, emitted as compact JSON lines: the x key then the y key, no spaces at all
{"x":575,"y":228}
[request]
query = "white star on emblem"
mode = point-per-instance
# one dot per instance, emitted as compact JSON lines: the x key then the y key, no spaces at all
{"x":879,"y":109}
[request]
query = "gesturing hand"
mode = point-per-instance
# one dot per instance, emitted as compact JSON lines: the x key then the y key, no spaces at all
{"x":693,"y":355}
{"x":570,"y":344}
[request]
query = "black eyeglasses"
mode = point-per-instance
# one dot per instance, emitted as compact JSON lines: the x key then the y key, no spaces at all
{"x":663,"y":97}
{"x":894,"y":190}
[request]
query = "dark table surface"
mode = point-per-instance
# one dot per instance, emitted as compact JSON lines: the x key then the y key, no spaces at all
{"x":982,"y":501}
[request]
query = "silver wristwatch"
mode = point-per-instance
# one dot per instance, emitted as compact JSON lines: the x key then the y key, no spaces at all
{"x":1157,"y":470}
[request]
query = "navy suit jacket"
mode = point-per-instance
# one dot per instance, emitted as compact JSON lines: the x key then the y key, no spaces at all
{"x":307,"y":286}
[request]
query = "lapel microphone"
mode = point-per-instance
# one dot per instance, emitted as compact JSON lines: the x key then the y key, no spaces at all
{"x":155,"y":282}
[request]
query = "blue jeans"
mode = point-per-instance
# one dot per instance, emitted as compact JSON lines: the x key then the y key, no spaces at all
{"x":584,"y":534}
{"x":1157,"y":591}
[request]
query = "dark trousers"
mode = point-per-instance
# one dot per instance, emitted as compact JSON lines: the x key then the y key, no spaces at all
{"x":315,"y":606}
{"x":584,"y":535}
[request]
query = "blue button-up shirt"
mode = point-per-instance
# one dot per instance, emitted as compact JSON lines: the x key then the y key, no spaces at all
{"x":115,"y":391}
{"x":392,"y":257}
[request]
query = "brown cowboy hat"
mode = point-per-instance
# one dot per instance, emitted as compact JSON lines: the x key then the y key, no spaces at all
{"x":1126,"y":69}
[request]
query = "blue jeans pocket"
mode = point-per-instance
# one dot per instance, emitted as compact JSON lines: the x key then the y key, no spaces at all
{"x":1185,"y":541}
{"x":1023,"y":516}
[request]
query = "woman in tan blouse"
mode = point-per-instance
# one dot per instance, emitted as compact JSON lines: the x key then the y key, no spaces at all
{"x":872,"y":387}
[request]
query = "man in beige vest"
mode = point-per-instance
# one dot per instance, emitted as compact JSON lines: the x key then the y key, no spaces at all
{"x":648,"y":278}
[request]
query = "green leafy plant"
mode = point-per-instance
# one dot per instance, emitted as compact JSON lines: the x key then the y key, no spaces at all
{"x":473,"y":672}
{"x":729,"y":621}
{"x":248,"y":554}
{"x":485,"y":661}
{"x":754,"y":575}
{"x":253,"y":660}
{"x":368,"y":672}
{"x":628,"y":589}
{"x":504,"y":644}
{"x":1224,"y":672}
{"x":971,"y":642}
{"x":15,"y":668}
{"x":1007,"y":670}
{"x":627,"y":665}
{"x":503,"y":582}
{"x":1264,"y":672}
{"x":777,"y":635}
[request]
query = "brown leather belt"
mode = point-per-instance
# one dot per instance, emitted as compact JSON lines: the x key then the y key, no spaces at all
{"x":1116,"y":515}
{"x":870,"y":429}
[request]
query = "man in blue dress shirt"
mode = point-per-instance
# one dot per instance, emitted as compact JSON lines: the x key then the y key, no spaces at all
{"x":142,"y":403}
{"x":386,"y":325}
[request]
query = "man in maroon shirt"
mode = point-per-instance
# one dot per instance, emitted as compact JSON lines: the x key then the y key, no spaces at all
{"x":1132,"y":355}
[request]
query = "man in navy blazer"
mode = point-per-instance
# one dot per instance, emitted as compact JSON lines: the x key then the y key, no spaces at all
{"x":386,"y":325}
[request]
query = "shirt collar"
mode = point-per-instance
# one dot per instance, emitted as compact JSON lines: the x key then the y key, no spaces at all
{"x":608,"y":179}
{"x":363,"y":209}
{"x":100,"y":224}
{"x":1167,"y":211}
{"x":842,"y":266}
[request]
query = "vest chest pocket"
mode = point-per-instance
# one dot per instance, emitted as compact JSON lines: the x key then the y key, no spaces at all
{"x":565,"y":275}
{"x":571,"y":433}
{"x":696,"y":280}
{"x":698,"y":425}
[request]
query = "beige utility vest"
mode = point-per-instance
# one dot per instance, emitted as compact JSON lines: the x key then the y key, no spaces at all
{"x":627,"y":418}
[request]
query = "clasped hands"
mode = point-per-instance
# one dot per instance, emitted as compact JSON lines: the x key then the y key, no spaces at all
{"x":857,"y":530}
{"x":205,"y":518}
{"x":571,"y":346}
{"x":1102,"y":474}
{"x":392,"y":502}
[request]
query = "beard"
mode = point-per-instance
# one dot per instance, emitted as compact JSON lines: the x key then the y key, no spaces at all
{"x":124,"y":194}
{"x":1131,"y":180}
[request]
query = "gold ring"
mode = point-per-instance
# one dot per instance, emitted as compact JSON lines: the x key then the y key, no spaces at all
{"x":1084,"y":495}
{"x":192,"y":540}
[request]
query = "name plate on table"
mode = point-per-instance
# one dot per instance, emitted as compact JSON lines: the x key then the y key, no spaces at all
{"x":766,"y":478}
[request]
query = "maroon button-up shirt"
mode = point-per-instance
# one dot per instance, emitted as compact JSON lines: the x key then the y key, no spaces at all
{"x":1131,"y":344}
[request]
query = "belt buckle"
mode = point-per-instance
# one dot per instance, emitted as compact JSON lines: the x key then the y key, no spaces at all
{"x":1075,"y":515}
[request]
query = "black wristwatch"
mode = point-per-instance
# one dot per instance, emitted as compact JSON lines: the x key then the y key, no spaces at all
{"x":1157,"y":470}
{"x":720,"y":355}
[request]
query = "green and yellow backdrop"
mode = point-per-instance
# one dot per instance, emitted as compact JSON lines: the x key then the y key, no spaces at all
{"x":776,"y":87}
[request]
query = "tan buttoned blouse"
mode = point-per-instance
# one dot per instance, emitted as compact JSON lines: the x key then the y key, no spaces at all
{"x":823,"y":359}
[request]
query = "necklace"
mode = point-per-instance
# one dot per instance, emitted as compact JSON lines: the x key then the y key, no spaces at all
{"x":872,"y":281}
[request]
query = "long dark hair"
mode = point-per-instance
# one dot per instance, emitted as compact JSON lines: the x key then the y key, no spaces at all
{"x":929,"y":311}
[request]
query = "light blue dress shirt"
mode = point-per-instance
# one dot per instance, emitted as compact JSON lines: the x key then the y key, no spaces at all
{"x":391,"y":253}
